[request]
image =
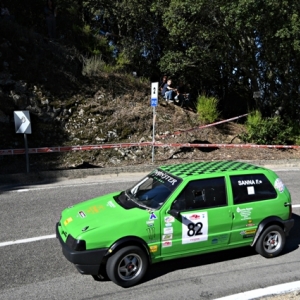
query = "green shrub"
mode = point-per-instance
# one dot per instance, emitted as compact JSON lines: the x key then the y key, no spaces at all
{"x":122,"y":62}
{"x":267,"y":131}
{"x":207,"y":109}
{"x":93,"y":65}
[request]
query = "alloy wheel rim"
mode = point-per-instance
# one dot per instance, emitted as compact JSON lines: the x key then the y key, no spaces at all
{"x":272,"y":241}
{"x":130,"y":266}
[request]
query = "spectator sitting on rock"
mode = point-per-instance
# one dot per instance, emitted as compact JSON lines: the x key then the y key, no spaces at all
{"x":170,"y":91}
{"x":162,"y":84}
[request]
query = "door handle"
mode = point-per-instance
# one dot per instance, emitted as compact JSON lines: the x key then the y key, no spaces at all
{"x":287,"y":204}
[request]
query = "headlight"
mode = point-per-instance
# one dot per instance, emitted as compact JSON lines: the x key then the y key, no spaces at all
{"x":77,"y":245}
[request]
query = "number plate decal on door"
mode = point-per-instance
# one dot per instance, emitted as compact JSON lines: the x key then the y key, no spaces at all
{"x":194,"y":227}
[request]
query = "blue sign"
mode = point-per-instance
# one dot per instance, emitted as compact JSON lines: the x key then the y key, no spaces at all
{"x":154,"y":102}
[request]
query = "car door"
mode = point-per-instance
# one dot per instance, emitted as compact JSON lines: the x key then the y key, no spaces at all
{"x":253,"y":200}
{"x":199,"y":218}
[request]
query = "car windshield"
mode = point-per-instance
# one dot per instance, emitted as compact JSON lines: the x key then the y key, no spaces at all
{"x":153,"y":190}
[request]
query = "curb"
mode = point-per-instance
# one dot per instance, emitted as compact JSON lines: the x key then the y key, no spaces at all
{"x":54,"y":175}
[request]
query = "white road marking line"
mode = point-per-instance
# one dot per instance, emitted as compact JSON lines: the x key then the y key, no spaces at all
{"x":296,"y":205}
{"x":271,"y":290}
{"x":34,"y":239}
{"x":24,"y":190}
{"x":65,"y":186}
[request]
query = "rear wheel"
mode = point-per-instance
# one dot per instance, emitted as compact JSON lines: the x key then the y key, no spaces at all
{"x":127,"y":266}
{"x":271,"y":241}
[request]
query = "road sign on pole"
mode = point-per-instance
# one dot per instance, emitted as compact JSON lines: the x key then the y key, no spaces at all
{"x":22,"y":122}
{"x":23,"y":125}
{"x":154,"y":102}
{"x":154,"y":93}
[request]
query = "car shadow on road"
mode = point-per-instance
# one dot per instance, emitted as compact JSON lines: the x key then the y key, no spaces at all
{"x":160,"y":269}
{"x":163,"y":268}
{"x":293,"y":240}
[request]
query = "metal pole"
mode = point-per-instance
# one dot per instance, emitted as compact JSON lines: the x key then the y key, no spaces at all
{"x":26,"y":153}
{"x":153,"y":133}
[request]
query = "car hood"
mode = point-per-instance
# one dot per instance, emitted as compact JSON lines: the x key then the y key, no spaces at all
{"x":100,"y":212}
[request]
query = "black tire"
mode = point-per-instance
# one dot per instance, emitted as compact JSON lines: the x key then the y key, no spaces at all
{"x":271,"y":242}
{"x":127,"y":266}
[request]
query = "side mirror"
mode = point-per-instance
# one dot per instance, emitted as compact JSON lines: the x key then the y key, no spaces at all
{"x":175,"y":213}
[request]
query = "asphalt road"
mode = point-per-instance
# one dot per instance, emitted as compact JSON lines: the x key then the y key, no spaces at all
{"x":37,"y":269}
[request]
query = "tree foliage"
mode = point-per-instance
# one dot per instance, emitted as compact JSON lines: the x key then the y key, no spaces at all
{"x":228,"y":49}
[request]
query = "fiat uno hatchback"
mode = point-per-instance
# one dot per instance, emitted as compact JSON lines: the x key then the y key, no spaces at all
{"x":177,"y":211}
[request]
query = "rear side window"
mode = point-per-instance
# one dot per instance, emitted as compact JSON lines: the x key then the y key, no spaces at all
{"x":250,"y":188}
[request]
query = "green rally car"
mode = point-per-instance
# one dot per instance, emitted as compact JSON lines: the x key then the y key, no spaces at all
{"x":176,"y":211}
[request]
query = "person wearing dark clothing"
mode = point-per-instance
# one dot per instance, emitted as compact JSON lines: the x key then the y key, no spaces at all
{"x":181,"y":97}
{"x":50,"y":15}
{"x":162,"y":85}
{"x":180,"y":90}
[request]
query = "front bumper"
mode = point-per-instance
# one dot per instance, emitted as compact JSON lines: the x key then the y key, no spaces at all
{"x":86,"y":262}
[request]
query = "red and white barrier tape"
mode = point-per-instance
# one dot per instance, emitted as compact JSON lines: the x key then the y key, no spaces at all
{"x":145,"y":144}
{"x":203,"y":126}
{"x":72,"y":148}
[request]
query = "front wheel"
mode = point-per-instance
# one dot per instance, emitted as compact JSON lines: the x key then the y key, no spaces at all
{"x":127,"y":266}
{"x":271,"y":241}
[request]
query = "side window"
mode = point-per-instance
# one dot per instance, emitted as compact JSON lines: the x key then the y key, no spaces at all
{"x":250,"y":188}
{"x":200,"y":194}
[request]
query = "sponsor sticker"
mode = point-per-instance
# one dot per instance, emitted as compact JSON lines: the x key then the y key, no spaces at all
{"x":82,"y":214}
{"x":95,"y":209}
{"x":167,"y":237}
{"x":110,"y":204}
{"x":250,"y":223}
{"x":165,"y":177}
{"x":150,"y":223}
{"x":245,"y":213}
{"x":153,"y":248}
{"x":279,"y":185}
{"x":167,"y":244}
{"x":250,"y":190}
{"x":169,"y":219}
{"x":168,"y":230}
{"x":248,"y":231}
{"x":223,"y":238}
{"x":195,"y":217}
{"x":67,"y":221}
{"x":151,"y":232}
{"x":152,"y":216}
{"x":249,"y":182}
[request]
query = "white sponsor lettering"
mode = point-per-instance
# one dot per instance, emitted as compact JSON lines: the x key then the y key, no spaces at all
{"x":249,"y":182}
{"x":245,"y":212}
{"x":165,"y":176}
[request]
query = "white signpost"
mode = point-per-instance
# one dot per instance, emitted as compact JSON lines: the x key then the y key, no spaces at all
{"x":154,"y":102}
{"x":23,"y":125}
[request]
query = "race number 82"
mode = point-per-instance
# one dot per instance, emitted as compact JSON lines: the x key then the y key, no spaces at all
{"x":194,"y":229}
